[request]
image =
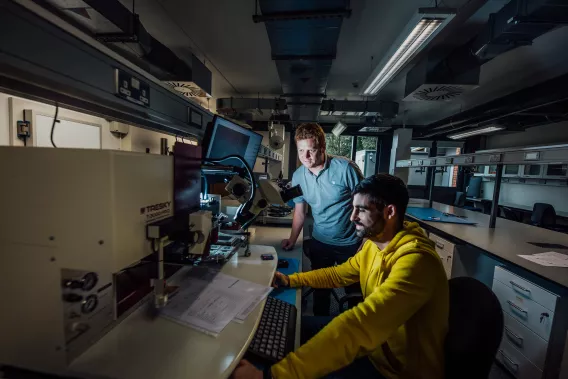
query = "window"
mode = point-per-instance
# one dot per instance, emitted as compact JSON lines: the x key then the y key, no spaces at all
{"x":339,"y":146}
{"x":366,"y":155}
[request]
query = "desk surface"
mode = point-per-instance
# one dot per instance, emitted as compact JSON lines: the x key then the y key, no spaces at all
{"x":506,"y":241}
{"x":140,"y":347}
{"x":523,"y":207}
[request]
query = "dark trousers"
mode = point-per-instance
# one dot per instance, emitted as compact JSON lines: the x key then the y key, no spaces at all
{"x":361,"y":368}
{"x":322,"y":255}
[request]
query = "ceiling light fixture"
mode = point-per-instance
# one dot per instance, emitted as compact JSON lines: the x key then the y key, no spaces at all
{"x":419,"y":31}
{"x":338,"y":128}
{"x":474,"y":132}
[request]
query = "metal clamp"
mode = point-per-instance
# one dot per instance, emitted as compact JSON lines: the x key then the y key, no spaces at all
{"x":519,"y":287}
{"x":517,"y":307}
{"x":517,"y":340}
{"x":509,"y":362}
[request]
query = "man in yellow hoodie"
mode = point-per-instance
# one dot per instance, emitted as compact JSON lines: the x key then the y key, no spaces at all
{"x":398,"y":331}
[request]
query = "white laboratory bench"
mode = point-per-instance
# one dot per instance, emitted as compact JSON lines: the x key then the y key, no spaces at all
{"x":152,"y":348}
{"x":506,"y":241}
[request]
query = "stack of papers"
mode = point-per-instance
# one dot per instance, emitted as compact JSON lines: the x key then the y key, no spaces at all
{"x":551,"y":259}
{"x":208,"y":301}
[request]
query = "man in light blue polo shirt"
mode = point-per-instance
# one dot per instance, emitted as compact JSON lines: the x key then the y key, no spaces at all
{"x":327,"y":182}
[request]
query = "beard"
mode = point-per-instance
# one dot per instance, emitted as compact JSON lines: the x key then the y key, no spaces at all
{"x":371,"y":231}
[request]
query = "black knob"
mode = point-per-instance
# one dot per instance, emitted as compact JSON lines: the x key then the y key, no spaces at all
{"x":72,"y":298}
{"x":89,"y":304}
{"x":89,"y":281}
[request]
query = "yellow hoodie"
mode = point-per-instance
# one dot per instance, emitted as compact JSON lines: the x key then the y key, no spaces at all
{"x":401,"y":325}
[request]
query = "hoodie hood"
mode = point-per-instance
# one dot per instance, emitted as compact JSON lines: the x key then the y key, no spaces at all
{"x":410,"y":239}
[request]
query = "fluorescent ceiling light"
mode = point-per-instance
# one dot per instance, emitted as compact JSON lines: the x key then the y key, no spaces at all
{"x":474,"y":132}
{"x":338,"y":128}
{"x":427,"y":23}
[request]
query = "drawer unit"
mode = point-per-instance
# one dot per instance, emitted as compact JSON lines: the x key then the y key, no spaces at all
{"x":514,"y":362}
{"x":528,"y":312}
{"x":525,"y":341}
{"x":445,"y":250}
{"x":526,"y":289}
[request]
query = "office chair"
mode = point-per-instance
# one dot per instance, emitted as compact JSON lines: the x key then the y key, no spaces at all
{"x":459,"y":200}
{"x":474,"y":331}
{"x":543,"y":215}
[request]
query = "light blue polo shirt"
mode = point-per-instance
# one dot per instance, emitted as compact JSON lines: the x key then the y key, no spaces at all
{"x":329,"y":196}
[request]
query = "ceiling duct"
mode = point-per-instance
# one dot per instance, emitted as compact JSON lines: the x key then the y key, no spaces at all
{"x":120,"y":28}
{"x":339,"y":108}
{"x":517,"y":24}
{"x":303,"y":36}
{"x":435,"y":79}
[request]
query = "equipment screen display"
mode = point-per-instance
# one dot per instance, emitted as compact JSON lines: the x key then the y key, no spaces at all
{"x":228,"y":138}
{"x":187,"y":178}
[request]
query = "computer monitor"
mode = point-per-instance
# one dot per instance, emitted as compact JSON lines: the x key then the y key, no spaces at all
{"x":227,"y":138}
{"x":187,"y":179}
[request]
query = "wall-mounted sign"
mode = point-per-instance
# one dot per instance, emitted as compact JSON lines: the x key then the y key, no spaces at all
{"x":131,"y":88}
{"x":533,"y":156}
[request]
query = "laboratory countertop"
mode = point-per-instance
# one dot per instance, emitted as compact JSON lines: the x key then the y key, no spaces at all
{"x":506,"y":241}
{"x":152,"y":348}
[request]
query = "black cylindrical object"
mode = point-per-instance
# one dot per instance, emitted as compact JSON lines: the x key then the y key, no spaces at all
{"x":163,"y":146}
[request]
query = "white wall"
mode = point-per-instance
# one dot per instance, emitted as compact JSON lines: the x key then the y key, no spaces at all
{"x":528,"y":194}
{"x":524,"y":194}
{"x":12,"y":110}
{"x":417,"y":178}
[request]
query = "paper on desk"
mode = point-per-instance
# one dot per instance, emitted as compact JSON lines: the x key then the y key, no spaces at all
{"x":212,"y":310}
{"x":256,"y":291}
{"x":551,"y":259}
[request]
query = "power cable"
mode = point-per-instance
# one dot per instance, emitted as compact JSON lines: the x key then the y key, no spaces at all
{"x":53,"y":125}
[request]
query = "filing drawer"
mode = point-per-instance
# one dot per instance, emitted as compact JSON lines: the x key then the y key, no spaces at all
{"x":445,"y":250}
{"x":516,"y":363}
{"x":526,"y":311}
{"x":526,"y":289}
{"x":525,"y":341}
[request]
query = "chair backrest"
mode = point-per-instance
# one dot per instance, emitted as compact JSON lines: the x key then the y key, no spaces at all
{"x":475,"y":329}
{"x":474,"y":187}
{"x":460,"y":199}
{"x":543,"y":214}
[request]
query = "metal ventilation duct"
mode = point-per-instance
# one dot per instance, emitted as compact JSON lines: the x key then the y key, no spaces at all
{"x":517,"y":24}
{"x":115,"y":25}
{"x":303,"y":36}
{"x":382,"y":109}
{"x":435,"y":79}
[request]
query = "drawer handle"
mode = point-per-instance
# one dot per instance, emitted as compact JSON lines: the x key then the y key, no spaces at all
{"x":509,"y":363}
{"x":519,"y":287}
{"x":516,"y":339}
{"x":440,"y":245}
{"x":517,"y":307}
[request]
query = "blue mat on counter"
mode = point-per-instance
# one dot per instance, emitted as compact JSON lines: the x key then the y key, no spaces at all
{"x":287,"y":294}
{"x":433,"y":215}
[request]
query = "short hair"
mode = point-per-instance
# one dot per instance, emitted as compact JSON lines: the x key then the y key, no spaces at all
{"x":311,"y":130}
{"x":383,"y":190}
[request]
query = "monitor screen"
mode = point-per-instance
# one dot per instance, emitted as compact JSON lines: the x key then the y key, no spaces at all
{"x":228,"y":138}
{"x":187,"y":178}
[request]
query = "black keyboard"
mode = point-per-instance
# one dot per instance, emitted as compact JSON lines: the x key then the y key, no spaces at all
{"x":276,"y":332}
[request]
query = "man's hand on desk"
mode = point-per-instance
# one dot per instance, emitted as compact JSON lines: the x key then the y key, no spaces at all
{"x":280,"y":280}
{"x":288,"y":244}
{"x":245,"y":370}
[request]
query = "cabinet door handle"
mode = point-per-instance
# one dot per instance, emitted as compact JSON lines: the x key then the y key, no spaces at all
{"x":440,"y":245}
{"x":515,"y":338}
{"x":509,"y":363}
{"x":517,"y":307}
{"x":515,"y":285}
